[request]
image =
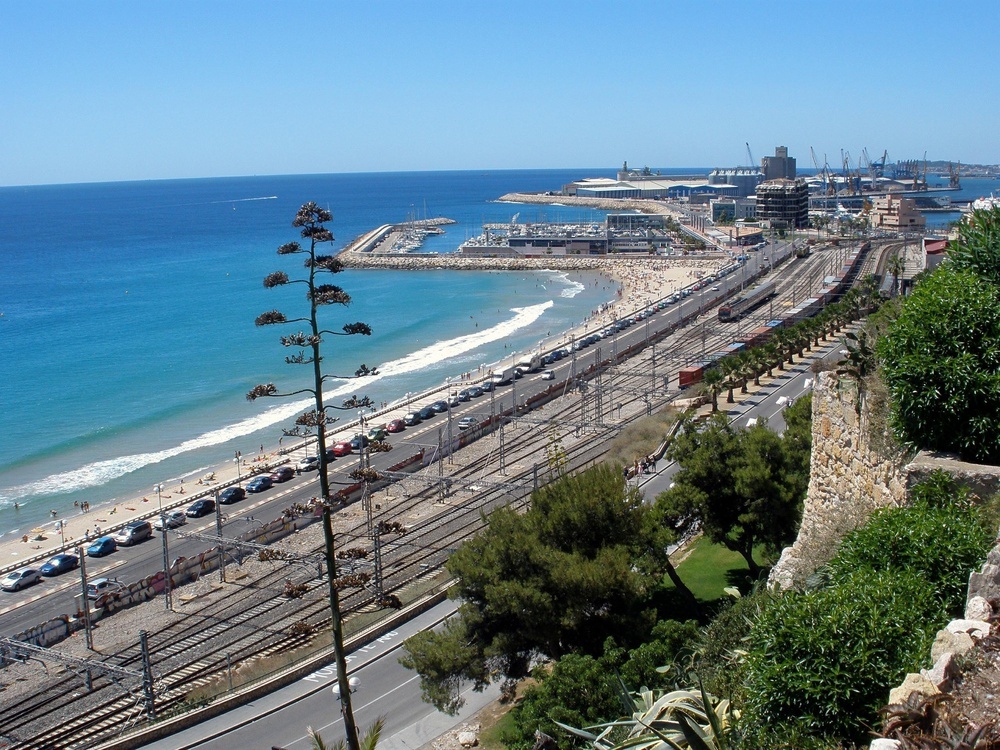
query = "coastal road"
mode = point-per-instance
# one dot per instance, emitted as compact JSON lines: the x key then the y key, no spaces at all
{"x":386,"y":689}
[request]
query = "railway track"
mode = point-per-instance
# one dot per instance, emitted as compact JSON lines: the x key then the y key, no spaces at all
{"x":441,"y":507}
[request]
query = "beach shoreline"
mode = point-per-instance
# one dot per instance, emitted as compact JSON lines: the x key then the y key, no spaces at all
{"x":638,"y":282}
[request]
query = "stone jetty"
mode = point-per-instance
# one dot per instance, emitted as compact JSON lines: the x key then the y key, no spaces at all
{"x":457,"y":262}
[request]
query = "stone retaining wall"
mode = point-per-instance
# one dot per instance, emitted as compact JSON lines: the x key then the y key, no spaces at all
{"x":848,"y":482}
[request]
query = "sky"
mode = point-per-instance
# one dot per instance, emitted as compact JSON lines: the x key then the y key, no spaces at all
{"x":106,"y":91}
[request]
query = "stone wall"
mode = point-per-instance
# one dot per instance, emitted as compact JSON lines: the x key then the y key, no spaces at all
{"x":848,"y":481}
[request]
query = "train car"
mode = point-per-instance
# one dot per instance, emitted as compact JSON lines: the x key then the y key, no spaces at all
{"x":757,"y":336}
{"x":735,"y":348}
{"x":738,"y":307}
{"x":691,"y":374}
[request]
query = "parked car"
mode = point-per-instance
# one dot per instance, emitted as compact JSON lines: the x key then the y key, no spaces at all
{"x":282,"y":474}
{"x":258,"y":484}
{"x":342,"y":449}
{"x":428,"y":411}
{"x":475,"y":391}
{"x":411,"y":419}
{"x":377,"y":433}
{"x":358,"y":442}
{"x":203,"y":507}
{"x":464,"y":395}
{"x":171,"y":519}
{"x":133,"y":533}
{"x":103,"y":546}
{"x":60,"y":564}
{"x":454,"y":400}
{"x":548,"y":375}
{"x":487,"y":386}
{"x":101,"y":586}
{"x":396,"y":425}
{"x":309,"y":463}
{"x":440,"y":407}
{"x":466,"y":422}
{"x":232,"y":495}
{"x":20,"y":579}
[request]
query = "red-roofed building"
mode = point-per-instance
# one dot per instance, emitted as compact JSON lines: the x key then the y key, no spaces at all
{"x":934,"y":252}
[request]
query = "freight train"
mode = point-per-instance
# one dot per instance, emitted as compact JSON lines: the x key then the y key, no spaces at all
{"x":833,"y":288}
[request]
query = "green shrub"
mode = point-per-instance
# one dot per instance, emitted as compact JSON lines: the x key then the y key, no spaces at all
{"x":824,"y":661}
{"x":582,"y":691}
{"x":941,"y":364}
{"x":577,"y":691}
{"x":715,"y":661}
{"x":942,"y":544}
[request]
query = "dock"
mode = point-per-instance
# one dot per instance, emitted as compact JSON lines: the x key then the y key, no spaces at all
{"x":397,"y":238}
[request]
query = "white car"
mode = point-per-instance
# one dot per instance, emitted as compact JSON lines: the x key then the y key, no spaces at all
{"x":19,"y":579}
{"x":101,"y":586}
{"x":172,"y":519}
{"x":548,"y":375}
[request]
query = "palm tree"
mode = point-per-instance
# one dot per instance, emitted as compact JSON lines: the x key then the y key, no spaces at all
{"x":728,"y":367}
{"x":756,"y":362}
{"x":714,"y":381}
{"x":743,"y":370}
{"x":895,"y":267}
{"x":368,"y":741}
{"x":782,"y":344}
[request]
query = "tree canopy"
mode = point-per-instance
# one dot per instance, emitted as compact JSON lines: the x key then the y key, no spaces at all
{"x":745,"y":487}
{"x":581,"y":565}
{"x":941,"y":364}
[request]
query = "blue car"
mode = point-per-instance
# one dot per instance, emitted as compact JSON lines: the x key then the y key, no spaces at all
{"x":259,"y":484}
{"x":103,"y":546}
{"x":59,"y":564}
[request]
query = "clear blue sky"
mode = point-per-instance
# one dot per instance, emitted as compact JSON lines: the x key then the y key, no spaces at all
{"x":96,"y":91}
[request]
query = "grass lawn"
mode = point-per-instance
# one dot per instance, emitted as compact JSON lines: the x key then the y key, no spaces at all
{"x":709,"y":568}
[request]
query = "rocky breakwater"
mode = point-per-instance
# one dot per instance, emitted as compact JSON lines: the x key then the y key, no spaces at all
{"x":458,"y":262}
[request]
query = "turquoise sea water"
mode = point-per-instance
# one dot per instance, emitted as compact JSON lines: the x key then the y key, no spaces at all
{"x":128,"y":309}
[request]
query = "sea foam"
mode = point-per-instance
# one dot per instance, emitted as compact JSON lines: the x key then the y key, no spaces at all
{"x":99,"y":473}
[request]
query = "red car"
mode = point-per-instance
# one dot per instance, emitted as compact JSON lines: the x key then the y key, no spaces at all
{"x":342,"y":449}
{"x":282,"y":474}
{"x":396,"y":425}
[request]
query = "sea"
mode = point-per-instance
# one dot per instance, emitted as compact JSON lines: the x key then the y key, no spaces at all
{"x":127,"y":319}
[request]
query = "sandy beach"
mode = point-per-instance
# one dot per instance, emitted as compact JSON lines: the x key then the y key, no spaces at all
{"x":638,"y":282}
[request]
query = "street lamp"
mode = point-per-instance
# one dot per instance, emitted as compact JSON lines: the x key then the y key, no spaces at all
{"x":238,"y":478}
{"x":168,"y":603}
{"x":353,"y":684}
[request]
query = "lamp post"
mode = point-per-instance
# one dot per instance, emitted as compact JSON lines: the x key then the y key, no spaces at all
{"x":238,"y":477}
{"x":168,"y":603}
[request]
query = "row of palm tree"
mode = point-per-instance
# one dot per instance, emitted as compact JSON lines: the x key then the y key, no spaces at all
{"x":785,"y":344}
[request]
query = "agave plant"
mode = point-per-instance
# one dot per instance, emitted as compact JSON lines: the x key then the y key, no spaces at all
{"x":678,"y":720}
